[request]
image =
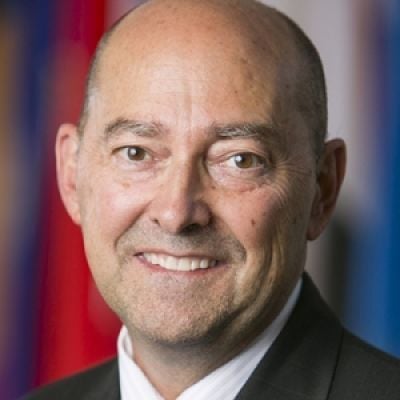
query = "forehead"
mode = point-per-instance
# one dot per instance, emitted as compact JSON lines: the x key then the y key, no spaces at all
{"x":201,"y":67}
{"x":175,"y":86}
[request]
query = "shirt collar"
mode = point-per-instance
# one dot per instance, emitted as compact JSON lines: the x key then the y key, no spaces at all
{"x":223,"y":383}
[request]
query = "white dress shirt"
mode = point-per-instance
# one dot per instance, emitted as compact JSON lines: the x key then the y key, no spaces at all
{"x":222,"y":384}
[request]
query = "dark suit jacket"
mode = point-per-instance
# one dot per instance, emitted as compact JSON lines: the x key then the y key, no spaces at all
{"x":313,"y":358}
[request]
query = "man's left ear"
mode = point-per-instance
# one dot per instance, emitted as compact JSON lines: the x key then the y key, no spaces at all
{"x":331,"y":170}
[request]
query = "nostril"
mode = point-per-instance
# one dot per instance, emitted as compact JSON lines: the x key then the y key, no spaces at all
{"x":192,"y":229}
{"x":179,"y":214}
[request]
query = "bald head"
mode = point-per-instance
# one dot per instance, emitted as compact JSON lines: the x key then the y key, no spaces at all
{"x":262,"y":40}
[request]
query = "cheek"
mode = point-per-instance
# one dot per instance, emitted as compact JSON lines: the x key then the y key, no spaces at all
{"x":252,"y":218}
{"x":110,"y":207}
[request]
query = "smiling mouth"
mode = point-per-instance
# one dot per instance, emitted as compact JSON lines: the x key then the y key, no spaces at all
{"x":173,"y":263}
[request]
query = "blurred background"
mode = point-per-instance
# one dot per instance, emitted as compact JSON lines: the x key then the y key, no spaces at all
{"x":52,"y":320}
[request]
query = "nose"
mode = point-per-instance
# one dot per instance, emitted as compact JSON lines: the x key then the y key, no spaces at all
{"x":178,"y":204}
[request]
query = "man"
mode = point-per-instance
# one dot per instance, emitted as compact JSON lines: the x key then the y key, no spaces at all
{"x":198,"y":172}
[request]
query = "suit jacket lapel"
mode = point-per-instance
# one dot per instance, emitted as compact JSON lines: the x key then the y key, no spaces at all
{"x":107,"y":385}
{"x":301,"y":362}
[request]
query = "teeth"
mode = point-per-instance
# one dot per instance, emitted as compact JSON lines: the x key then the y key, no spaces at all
{"x":179,"y":263}
{"x":195,"y":264}
{"x":171,"y":263}
{"x":185,"y":264}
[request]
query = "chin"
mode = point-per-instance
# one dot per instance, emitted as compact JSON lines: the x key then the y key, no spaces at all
{"x":180,"y":331}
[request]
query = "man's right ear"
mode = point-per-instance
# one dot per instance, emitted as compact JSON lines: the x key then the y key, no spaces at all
{"x":67,"y":148}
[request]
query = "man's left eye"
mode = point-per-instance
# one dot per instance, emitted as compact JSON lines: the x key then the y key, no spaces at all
{"x":245,"y":161}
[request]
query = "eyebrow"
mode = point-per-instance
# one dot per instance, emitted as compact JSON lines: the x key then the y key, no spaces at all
{"x":264,"y":133}
{"x":267,"y":134}
{"x":120,"y":125}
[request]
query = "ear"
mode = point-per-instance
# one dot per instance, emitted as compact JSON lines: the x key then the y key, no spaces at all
{"x":330,"y":174}
{"x":67,"y":148}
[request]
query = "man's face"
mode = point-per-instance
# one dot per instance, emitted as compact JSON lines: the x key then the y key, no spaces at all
{"x":194,"y":192}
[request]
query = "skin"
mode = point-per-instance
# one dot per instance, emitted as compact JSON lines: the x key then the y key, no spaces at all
{"x":181,"y":76}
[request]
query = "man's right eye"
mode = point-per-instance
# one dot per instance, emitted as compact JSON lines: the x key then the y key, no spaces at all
{"x":134,"y":153}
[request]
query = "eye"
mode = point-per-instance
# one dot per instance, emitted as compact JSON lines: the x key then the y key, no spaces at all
{"x":245,"y":161}
{"x":134,"y":153}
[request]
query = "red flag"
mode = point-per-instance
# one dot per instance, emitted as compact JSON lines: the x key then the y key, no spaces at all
{"x":76,"y":328}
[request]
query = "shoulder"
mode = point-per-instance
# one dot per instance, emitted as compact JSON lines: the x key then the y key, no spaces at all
{"x":97,"y":382}
{"x":365,"y":370}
